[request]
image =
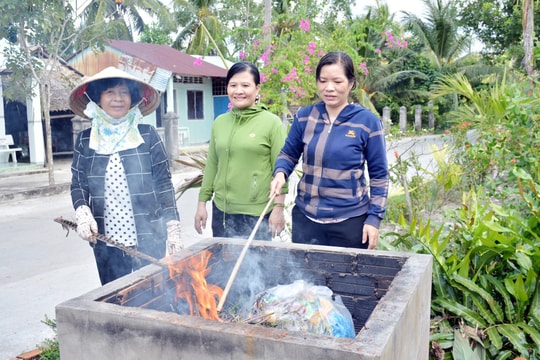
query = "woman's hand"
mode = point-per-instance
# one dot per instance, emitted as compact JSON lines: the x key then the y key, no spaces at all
{"x":201,"y":215}
{"x":276,"y":221}
{"x":371,"y":234}
{"x":277,"y":184}
{"x":86,"y":224}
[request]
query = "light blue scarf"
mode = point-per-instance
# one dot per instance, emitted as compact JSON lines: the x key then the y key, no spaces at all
{"x":110,"y":135}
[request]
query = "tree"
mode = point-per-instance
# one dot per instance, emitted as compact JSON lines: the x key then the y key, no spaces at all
{"x":497,"y":23}
{"x":528,"y":36}
{"x":441,"y":39}
{"x":393,"y":73}
{"x":289,"y":61}
{"x":439,"y":32}
{"x":244,"y":22}
{"x":41,"y":32}
{"x":122,"y":20}
{"x":202,"y":31}
{"x":154,"y":34}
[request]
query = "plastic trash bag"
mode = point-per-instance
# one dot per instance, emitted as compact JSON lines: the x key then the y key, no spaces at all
{"x":302,"y":306}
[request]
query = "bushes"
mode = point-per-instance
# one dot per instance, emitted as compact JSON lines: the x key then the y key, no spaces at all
{"x":486,"y":286}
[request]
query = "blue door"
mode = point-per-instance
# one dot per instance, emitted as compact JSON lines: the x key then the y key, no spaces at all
{"x":221,"y":103}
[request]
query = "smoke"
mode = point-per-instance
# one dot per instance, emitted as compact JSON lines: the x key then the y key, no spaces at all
{"x":260,"y":270}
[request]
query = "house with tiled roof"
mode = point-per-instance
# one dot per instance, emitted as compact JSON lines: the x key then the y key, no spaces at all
{"x":191,"y":88}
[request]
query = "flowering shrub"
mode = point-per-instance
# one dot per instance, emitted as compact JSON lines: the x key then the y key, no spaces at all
{"x":288,"y":62}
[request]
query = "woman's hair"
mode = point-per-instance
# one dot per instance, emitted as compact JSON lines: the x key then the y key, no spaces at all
{"x":95,"y":88}
{"x":338,"y":57}
{"x":241,"y":67}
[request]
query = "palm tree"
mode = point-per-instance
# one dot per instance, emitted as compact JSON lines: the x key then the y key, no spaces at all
{"x":122,"y":20}
{"x":201,"y":30}
{"x":439,"y":32}
{"x":446,"y":45}
{"x":387,"y":75}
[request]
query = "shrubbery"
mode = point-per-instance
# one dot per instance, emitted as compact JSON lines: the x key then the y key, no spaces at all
{"x":486,"y":297}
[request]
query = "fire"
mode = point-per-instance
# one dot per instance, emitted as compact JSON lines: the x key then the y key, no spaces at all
{"x":190,"y":278}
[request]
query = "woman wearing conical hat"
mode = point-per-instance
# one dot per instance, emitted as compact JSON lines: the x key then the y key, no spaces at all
{"x":121,"y":182}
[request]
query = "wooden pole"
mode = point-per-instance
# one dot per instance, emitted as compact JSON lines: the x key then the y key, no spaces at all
{"x":242,"y":255}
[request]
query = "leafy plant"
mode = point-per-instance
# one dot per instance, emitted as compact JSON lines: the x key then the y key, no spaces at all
{"x":50,"y":348}
{"x":486,"y":273}
{"x":196,"y":161}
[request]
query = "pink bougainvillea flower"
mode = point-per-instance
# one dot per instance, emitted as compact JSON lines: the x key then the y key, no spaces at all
{"x":265,"y":57}
{"x":264,"y":78}
{"x":274,"y":70}
{"x":198,"y":62}
{"x":403,"y":43}
{"x":242,"y":55}
{"x":363,"y":68}
{"x":311,"y":48}
{"x":377,"y":51}
{"x":391,"y":41}
{"x":292,"y":75}
{"x":304,"y":25}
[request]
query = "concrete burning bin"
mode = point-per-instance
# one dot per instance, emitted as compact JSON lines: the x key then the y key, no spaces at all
{"x":387,"y":293}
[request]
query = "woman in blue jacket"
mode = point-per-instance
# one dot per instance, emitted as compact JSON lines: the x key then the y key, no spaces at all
{"x":121,"y":182}
{"x":335,"y":205}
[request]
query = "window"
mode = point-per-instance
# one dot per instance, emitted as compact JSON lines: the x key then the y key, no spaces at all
{"x":219,"y":86}
{"x":195,"y":105}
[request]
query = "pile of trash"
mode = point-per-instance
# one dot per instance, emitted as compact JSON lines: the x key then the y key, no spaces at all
{"x":302,"y":306}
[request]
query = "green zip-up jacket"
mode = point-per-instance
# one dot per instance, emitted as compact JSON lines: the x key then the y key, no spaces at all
{"x":243,"y":149}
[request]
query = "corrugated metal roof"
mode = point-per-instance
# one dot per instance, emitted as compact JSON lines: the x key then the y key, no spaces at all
{"x":168,"y":58}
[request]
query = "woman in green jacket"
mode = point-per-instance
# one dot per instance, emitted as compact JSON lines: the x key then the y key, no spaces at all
{"x":244,"y":145}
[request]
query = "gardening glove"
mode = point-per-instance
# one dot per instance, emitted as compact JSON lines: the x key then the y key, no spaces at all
{"x":174,"y":241}
{"x":86,"y":224}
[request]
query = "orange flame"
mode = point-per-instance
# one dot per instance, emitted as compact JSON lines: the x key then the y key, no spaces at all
{"x":190,"y":278}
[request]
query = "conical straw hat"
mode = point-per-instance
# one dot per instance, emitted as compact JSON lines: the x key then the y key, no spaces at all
{"x":78,"y":98}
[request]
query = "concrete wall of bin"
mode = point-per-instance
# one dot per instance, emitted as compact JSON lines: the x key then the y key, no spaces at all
{"x":394,"y":288}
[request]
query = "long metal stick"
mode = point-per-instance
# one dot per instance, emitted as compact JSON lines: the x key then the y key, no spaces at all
{"x":242,"y":255}
{"x":67,"y":224}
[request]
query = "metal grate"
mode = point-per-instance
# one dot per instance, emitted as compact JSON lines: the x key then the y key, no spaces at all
{"x":183,"y":79}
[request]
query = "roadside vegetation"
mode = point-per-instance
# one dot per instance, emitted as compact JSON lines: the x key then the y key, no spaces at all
{"x":477,"y":214}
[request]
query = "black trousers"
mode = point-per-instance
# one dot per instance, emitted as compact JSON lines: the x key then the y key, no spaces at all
{"x":347,"y":233}
{"x":113,"y":263}
{"x":238,"y":225}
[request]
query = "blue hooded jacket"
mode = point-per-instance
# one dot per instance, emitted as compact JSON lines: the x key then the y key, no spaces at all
{"x":334,"y":159}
